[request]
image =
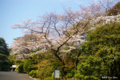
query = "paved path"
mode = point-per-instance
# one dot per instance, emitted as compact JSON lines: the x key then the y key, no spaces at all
{"x":13,"y":76}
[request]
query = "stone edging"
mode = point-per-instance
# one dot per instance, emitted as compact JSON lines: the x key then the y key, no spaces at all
{"x":33,"y":78}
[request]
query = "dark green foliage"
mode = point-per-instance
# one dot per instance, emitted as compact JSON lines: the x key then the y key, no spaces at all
{"x":19,"y":62}
{"x":56,"y":65}
{"x":70,"y":73}
{"x":30,"y":62}
{"x":3,"y":47}
{"x":28,"y":65}
{"x":114,"y":10}
{"x":101,"y":53}
{"x":20,"y":68}
{"x":3,"y":57}
{"x":12,"y":58}
{"x":74,"y":53}
{"x":4,"y":62}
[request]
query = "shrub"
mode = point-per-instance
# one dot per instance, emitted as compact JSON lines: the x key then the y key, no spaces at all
{"x":16,"y":69}
{"x":45,"y":68}
{"x":34,"y":73}
{"x":20,"y":69}
{"x":52,"y":75}
{"x":28,"y":65}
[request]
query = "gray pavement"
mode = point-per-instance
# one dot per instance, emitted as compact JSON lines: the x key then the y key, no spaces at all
{"x":13,"y":76}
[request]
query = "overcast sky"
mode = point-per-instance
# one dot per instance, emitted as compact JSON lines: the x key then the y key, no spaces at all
{"x":15,"y":11}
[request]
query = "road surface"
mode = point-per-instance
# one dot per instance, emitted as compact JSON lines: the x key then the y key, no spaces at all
{"x":13,"y":76}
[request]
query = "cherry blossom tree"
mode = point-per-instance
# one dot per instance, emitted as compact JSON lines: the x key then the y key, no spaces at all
{"x":27,"y":43}
{"x":53,"y":31}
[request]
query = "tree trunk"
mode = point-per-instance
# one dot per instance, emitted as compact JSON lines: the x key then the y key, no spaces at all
{"x":76,"y":63}
{"x":64,"y":73}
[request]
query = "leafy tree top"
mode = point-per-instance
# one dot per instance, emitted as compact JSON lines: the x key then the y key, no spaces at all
{"x":101,"y":53}
{"x":3,"y":47}
{"x":114,"y":10}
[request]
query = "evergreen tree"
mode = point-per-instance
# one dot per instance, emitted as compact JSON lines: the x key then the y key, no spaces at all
{"x":3,"y":47}
{"x":101,"y":53}
{"x":114,"y":10}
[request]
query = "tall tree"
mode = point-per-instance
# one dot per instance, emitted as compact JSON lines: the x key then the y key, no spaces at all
{"x":114,"y":10}
{"x":101,"y":53}
{"x":54,"y":29}
{"x":3,"y":47}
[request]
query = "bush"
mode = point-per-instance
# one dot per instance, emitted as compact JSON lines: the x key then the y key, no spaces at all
{"x":28,"y":65}
{"x":52,"y":75}
{"x":34,"y":73}
{"x":16,"y":69}
{"x":20,"y":69}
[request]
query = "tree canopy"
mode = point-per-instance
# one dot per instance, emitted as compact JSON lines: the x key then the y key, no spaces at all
{"x":114,"y":10}
{"x":101,"y":53}
{"x":62,"y":35}
{"x":3,"y":47}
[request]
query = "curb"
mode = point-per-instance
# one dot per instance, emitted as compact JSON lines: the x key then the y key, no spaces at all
{"x":33,"y":78}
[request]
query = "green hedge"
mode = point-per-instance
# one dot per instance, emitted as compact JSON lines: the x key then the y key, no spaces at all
{"x":34,"y":73}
